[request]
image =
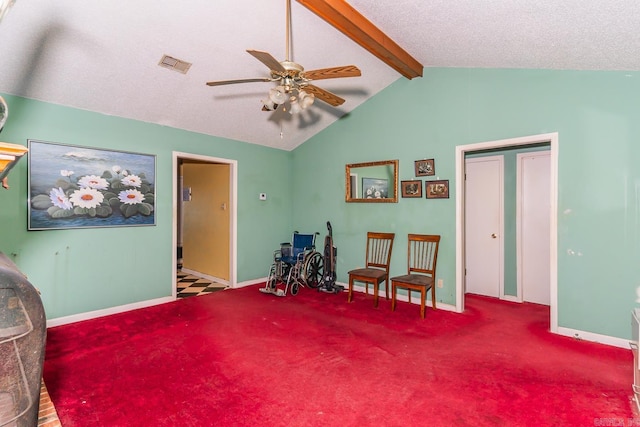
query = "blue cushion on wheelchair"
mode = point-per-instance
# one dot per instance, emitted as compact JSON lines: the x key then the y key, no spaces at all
{"x":289,"y":259}
{"x":293,"y":258}
{"x":301,"y":241}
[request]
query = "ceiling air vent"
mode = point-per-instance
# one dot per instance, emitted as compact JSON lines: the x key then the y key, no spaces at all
{"x":174,"y":64}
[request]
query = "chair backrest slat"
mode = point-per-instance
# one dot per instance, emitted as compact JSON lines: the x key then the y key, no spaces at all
{"x":422,"y":253}
{"x":379,"y":247}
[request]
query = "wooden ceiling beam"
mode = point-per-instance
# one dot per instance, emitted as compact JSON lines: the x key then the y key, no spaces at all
{"x":350,"y":22}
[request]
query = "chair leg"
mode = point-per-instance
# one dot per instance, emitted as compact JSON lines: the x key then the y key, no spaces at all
{"x":393,"y":296}
{"x":375,"y":294}
{"x":350,"y":297}
{"x":386,"y":288}
{"x":433,"y":297}
{"x":423,"y":297}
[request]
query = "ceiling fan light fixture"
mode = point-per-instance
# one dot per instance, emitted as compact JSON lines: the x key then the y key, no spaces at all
{"x":294,"y":107}
{"x":306,"y":99}
{"x":269,"y":104}
{"x":278,"y":95}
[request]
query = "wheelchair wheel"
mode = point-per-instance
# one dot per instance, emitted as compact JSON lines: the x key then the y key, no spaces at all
{"x":313,"y":269}
{"x":294,"y":289}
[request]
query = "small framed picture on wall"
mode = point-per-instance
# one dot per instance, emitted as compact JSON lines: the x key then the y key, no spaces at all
{"x":411,"y":189}
{"x":437,"y":189}
{"x":425,"y":167}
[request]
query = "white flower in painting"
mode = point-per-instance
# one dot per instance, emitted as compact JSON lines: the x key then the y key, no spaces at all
{"x":65,"y":172}
{"x":86,"y":198}
{"x":125,"y":172}
{"x":132,"y":181}
{"x":116,"y":169}
{"x":130,"y":197}
{"x":59,"y":199}
{"x":93,"y":181}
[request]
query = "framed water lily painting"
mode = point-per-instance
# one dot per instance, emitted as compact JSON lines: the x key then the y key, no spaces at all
{"x":80,"y":187}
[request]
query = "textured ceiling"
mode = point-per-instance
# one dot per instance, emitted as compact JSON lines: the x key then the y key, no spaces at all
{"x":103,"y":56}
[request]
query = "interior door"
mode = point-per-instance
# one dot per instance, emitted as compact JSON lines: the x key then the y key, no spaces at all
{"x":534,"y":223}
{"x":206,"y":222}
{"x":484,"y":214}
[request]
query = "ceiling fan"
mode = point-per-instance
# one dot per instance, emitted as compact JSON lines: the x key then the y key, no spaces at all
{"x":294,"y":91}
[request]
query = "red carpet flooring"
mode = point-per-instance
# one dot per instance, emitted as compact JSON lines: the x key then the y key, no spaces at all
{"x":243,"y":358}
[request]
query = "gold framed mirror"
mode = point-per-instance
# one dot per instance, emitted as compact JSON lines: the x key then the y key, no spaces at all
{"x":372,"y":182}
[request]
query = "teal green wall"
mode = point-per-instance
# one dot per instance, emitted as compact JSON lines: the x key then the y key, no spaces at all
{"x":597,"y":117}
{"x":90,"y":269}
{"x":510,"y":158}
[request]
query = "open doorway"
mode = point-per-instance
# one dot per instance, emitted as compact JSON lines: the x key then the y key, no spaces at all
{"x":461,"y":240}
{"x":204,"y":217}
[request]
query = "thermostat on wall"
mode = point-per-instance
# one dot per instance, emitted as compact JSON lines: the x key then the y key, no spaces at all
{"x":263,"y":196}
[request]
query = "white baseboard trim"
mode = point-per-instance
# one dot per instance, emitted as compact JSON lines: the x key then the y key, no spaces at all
{"x":593,"y":337}
{"x":59,"y":321}
{"x":510,"y":298}
{"x":401,"y":297}
{"x":574,"y":333}
{"x":206,"y":276}
{"x":251,"y":282}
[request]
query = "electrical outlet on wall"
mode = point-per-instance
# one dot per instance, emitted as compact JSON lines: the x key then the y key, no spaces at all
{"x":439,"y":283}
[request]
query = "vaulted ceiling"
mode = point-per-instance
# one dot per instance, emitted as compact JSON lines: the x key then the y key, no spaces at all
{"x":103,"y":56}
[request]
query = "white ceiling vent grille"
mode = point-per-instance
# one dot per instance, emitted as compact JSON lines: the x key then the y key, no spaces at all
{"x":174,"y":64}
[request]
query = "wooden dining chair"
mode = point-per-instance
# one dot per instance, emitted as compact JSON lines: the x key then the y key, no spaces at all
{"x":376,"y":270}
{"x":422,"y":257}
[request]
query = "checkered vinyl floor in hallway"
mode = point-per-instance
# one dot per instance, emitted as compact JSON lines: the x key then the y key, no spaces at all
{"x":189,"y":285}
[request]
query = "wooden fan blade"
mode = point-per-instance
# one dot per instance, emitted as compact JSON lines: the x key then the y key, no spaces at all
{"x":267,"y":60}
{"x":333,"y":73}
{"x":324,"y":95}
{"x":232,"y":82}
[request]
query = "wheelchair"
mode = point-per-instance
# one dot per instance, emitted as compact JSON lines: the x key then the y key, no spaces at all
{"x":296,"y":264}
